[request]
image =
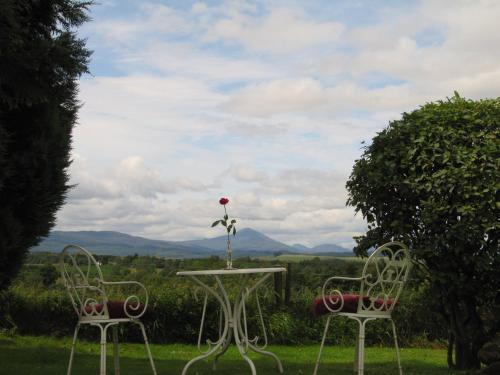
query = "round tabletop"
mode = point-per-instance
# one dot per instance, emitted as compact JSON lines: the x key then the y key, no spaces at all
{"x":236,"y":271}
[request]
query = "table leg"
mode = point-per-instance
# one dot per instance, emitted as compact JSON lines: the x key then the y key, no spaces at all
{"x":225,"y":332}
{"x":240,"y":317}
{"x":240,"y":337}
{"x":225,"y":346}
{"x":235,"y":325}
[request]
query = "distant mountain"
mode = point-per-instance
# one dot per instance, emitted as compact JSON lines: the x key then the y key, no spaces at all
{"x":326,"y":248}
{"x":116,"y":243}
{"x":247,"y":242}
{"x":301,"y":248}
{"x":330,"y":248}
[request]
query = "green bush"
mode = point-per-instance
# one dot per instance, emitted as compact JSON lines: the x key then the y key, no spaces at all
{"x":174,"y":312}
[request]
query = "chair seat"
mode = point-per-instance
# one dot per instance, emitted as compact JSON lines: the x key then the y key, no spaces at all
{"x":350,"y":304}
{"x":116,"y":309}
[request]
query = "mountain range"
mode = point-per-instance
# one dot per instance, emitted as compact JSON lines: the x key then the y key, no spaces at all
{"x":247,"y":242}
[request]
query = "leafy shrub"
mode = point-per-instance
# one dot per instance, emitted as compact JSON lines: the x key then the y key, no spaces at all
{"x":175,"y":311}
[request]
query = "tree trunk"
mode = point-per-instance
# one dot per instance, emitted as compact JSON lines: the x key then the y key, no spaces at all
{"x":451,"y":346}
{"x":467,"y":335}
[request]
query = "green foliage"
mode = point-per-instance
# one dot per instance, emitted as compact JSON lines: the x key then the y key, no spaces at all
{"x":230,"y":226}
{"x":175,"y":309}
{"x":282,"y":327}
{"x":40,"y":61}
{"x":49,"y":274}
{"x":431,"y":180}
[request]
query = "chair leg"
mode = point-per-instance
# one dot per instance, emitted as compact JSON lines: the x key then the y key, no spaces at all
{"x":356,"y":351}
{"x":73,"y":345}
{"x":397,"y":347}
{"x":116,"y":351}
{"x":322,"y":344}
{"x":361,"y":347}
{"x":147,"y":346}
{"x":103,"y":349}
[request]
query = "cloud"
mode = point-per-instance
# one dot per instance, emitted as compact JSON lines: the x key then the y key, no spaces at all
{"x":247,"y":174}
{"x":130,"y":177}
{"x":262,"y":103}
{"x":199,"y":8}
{"x":85,"y":185}
{"x":276,"y":97}
{"x":135,"y":178}
{"x":281,"y":31}
{"x":150,"y":19}
{"x":392,"y":46}
{"x":185,"y":60}
{"x":310,"y":95}
{"x":140,"y":201}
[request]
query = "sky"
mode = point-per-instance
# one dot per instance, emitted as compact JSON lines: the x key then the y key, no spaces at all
{"x":264,"y":102}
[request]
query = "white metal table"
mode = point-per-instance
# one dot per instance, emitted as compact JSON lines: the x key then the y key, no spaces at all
{"x":233,"y":320}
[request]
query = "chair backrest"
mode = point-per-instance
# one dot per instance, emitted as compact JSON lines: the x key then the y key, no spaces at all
{"x":83,"y":280}
{"x":384,"y":276}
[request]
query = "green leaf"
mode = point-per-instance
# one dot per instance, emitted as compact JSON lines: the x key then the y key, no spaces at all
{"x":234,"y":231}
{"x":226,"y":217}
{"x":233,"y":221}
{"x":215,"y":223}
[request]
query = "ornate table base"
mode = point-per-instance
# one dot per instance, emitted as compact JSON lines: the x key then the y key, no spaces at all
{"x":233,"y":324}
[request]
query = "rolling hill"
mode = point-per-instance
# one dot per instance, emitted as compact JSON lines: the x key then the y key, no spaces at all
{"x":247,"y":242}
{"x":321,"y":249}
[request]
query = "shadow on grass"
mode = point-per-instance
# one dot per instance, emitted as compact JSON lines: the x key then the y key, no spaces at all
{"x":267,"y":367}
{"x":40,"y":359}
{"x":5,"y":341}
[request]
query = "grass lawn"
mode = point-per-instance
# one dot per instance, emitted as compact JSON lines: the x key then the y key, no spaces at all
{"x":27,"y":355}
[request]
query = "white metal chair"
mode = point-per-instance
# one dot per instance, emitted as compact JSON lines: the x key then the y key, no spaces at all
{"x":87,"y":290}
{"x":380,"y":286}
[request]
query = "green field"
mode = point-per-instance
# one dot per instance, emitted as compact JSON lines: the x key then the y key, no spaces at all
{"x":302,"y":257}
{"x":28,"y":355}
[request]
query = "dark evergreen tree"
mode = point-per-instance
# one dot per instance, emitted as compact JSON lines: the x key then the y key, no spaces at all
{"x":41,"y":59}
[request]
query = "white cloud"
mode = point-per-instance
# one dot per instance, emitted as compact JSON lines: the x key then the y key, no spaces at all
{"x":321,"y":221}
{"x":246,"y":173}
{"x":130,"y":177}
{"x":309,"y":95}
{"x":262,"y":103}
{"x":184,"y":60}
{"x":85,"y":185}
{"x":151,"y":19}
{"x":199,"y":8}
{"x":281,"y":31}
{"x":135,"y":178}
{"x":291,"y":95}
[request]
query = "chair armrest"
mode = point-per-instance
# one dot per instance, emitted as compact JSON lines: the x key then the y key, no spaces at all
{"x":132,"y":304}
{"x":333,"y":296}
{"x":90,"y":287}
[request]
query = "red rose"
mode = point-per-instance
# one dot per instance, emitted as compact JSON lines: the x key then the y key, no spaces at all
{"x":223,"y":201}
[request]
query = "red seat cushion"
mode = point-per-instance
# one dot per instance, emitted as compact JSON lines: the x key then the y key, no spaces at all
{"x":116,"y":309}
{"x":350,"y":304}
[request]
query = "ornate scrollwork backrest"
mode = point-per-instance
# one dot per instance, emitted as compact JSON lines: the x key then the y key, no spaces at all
{"x":384,"y":275}
{"x":83,"y":280}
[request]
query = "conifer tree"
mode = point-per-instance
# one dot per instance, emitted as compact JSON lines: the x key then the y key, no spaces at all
{"x":41,"y":58}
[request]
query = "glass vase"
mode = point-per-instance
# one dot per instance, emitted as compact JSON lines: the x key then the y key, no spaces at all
{"x":229,"y":256}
